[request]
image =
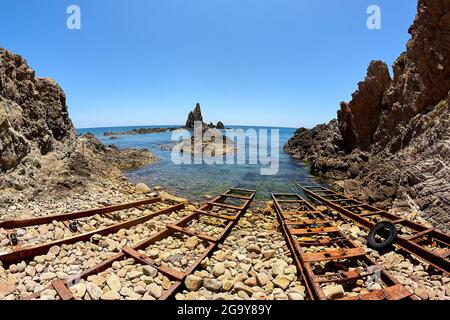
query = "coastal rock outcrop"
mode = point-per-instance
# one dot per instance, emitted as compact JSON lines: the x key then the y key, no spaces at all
{"x":212,"y":143}
{"x":123,"y":159}
{"x":40,"y":152}
{"x":138,"y":131}
{"x":194,"y":116}
{"x":220,"y":125}
{"x":33,"y":112}
{"x":390,"y":145}
{"x":359,"y":119}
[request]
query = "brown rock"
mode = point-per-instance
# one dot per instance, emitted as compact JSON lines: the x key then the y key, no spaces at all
{"x":193,"y":283}
{"x":389,"y":145}
{"x":333,"y":291}
{"x":359,"y":119}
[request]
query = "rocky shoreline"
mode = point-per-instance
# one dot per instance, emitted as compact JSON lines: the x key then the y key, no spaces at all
{"x":90,"y":167}
{"x":389,"y":146}
{"x":45,"y":168}
{"x":41,"y":156}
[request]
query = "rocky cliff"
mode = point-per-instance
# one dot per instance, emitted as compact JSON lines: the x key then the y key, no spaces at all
{"x":390,"y":145}
{"x":33,"y":112}
{"x":40,"y":152}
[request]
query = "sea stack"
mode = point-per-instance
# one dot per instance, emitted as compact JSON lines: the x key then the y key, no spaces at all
{"x":194,"y":116}
{"x":220,"y":125}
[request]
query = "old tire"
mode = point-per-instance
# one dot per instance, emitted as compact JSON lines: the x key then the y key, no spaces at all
{"x":384,"y":229}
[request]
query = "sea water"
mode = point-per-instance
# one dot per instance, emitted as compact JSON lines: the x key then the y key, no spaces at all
{"x":198,"y":181}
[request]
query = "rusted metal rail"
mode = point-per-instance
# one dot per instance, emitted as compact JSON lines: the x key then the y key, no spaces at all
{"x":426,"y":243}
{"x":324,"y":255}
{"x":20,"y":253}
{"x":226,"y":201}
{"x":11,"y":224}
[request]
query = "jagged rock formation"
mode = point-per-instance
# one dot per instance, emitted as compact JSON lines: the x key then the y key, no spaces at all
{"x":196,"y":115}
{"x":33,"y":112}
{"x":39,"y":149}
{"x":220,"y":125}
{"x":390,"y":145}
{"x":359,"y":119}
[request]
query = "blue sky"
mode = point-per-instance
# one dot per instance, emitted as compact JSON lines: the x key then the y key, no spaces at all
{"x":250,"y":62}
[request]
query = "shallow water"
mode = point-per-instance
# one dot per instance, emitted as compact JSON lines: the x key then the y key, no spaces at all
{"x":195,"y":181}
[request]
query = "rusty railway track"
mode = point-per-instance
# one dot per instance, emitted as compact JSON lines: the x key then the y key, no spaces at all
{"x":418,"y":241}
{"x":318,"y":245}
{"x":234,"y":212}
{"x":20,"y":253}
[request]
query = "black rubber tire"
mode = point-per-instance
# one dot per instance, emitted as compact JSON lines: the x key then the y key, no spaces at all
{"x":378,"y":229}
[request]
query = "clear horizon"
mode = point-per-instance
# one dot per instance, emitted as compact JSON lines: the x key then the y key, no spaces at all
{"x":165,"y":125}
{"x":285,"y":63}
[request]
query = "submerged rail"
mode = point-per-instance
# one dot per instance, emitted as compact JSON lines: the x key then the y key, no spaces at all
{"x":325,"y":255}
{"x":426,"y":243}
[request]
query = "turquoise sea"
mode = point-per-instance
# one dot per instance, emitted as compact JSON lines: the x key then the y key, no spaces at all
{"x":194,"y":181}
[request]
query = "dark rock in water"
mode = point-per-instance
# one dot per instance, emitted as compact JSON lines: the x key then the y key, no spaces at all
{"x":220,"y":125}
{"x":167,"y":146}
{"x":390,"y":144}
{"x":194,"y":116}
{"x":138,"y":131}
